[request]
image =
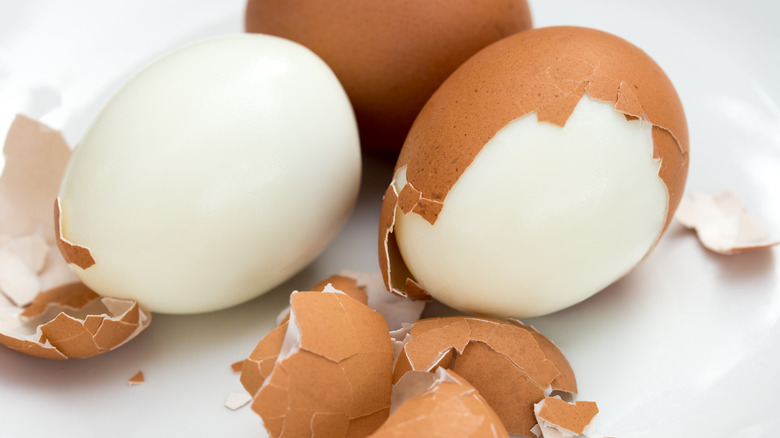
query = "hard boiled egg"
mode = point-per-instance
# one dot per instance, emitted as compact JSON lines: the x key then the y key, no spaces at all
{"x":214,"y":174}
{"x":545,"y":168}
{"x":390,"y":55}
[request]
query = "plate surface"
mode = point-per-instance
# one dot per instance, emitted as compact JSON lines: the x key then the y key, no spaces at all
{"x":686,"y":345}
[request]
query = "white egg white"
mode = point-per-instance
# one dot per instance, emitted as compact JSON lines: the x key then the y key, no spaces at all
{"x":213,"y":175}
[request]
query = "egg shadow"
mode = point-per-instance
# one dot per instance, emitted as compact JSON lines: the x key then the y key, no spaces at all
{"x":747,"y":265}
{"x":732,"y":267}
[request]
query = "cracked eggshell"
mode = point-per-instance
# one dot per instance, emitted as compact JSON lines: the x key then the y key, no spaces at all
{"x":723,"y":224}
{"x":71,"y":321}
{"x":327,"y":371}
{"x":213,"y":175}
{"x":559,"y":419}
{"x":479,"y":350}
{"x":448,"y":406}
{"x":43,"y":312}
{"x":35,"y":158}
{"x":390,"y":56}
{"x":546,"y":167}
{"x":369,"y":289}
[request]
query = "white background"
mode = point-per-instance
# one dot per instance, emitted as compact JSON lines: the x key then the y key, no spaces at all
{"x":687,"y":345}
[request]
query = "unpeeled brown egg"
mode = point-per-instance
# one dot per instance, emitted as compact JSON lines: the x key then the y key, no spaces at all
{"x":390,"y":55}
{"x":216,"y":173}
{"x":545,"y":168}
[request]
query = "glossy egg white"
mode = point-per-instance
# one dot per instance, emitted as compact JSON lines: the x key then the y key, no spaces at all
{"x":213,"y":175}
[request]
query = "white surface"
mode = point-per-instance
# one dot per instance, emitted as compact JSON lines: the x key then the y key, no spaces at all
{"x":687,"y":345}
{"x":212,"y":151}
{"x":540,"y":240}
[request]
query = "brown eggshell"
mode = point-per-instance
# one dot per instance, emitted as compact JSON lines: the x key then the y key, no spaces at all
{"x":72,"y":253}
{"x":327,"y":371}
{"x":570,"y":419}
{"x":258,"y":366}
{"x":565,"y":382}
{"x":479,"y":349}
{"x":71,"y":321}
{"x":389,"y":55}
{"x":546,"y":70}
{"x":137,"y":379}
{"x":46,"y":313}
{"x":449,"y":407}
{"x":368,"y":288}
{"x":343,"y":283}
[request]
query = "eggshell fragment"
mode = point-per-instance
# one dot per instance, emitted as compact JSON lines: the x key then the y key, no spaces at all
{"x":36,"y":156}
{"x":559,"y":419}
{"x":479,"y":350}
{"x":137,"y":379}
{"x":71,"y":321}
{"x":390,"y":56}
{"x":237,"y":400}
{"x":258,"y":366}
{"x":396,"y":310}
{"x":327,"y":371}
{"x":479,"y":223}
{"x":723,"y":224}
{"x":67,"y":319}
{"x":369,"y":289}
{"x":447,"y":406}
{"x":186,"y":191}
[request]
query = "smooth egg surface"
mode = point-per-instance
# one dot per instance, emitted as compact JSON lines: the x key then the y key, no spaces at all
{"x":213,"y":175}
{"x":390,"y":55}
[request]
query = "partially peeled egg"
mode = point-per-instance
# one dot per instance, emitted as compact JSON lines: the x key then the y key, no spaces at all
{"x":545,"y":168}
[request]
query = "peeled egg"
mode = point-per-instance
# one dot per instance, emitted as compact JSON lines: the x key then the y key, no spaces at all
{"x":213,"y":175}
{"x":545,"y":168}
{"x":390,"y":55}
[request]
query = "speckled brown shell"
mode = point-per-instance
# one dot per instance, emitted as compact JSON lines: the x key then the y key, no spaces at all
{"x":389,"y":55}
{"x":546,"y":70}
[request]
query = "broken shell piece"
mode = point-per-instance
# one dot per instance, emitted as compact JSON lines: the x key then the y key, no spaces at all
{"x":327,"y":371}
{"x":71,"y":321}
{"x":479,"y":350}
{"x":368,"y":288}
{"x":559,"y":419}
{"x":237,"y":400}
{"x":543,"y":169}
{"x":344,"y":284}
{"x":36,"y":156}
{"x":447,"y":406}
{"x":137,"y":379}
{"x":73,"y":254}
{"x":258,"y":366}
{"x":18,"y":269}
{"x":723,"y":224}
{"x":397,"y":310}
{"x":68,"y":319}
